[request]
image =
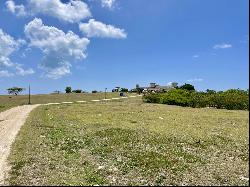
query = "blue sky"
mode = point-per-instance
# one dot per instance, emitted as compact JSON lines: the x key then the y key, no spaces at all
{"x":122,"y":43}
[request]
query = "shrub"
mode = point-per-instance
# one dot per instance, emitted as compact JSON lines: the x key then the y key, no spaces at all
{"x":187,"y":87}
{"x":233,"y":99}
{"x":152,"y":98}
{"x":94,"y":91}
{"x":124,"y":90}
{"x":176,"y":97}
{"x":77,"y":91}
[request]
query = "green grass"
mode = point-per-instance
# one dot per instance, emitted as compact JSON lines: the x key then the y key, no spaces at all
{"x":8,"y":101}
{"x":131,"y":143}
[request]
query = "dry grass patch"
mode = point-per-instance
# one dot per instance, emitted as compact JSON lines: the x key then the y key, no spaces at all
{"x":128,"y":142}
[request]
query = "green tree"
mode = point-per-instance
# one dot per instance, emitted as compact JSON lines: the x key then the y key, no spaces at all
{"x":77,"y":91}
{"x":124,"y":90}
{"x":138,"y":89}
{"x":211,"y":91}
{"x":188,"y":87}
{"x":15,"y":90}
{"x":68,"y":89}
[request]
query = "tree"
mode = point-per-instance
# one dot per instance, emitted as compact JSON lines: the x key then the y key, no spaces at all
{"x":94,"y":91}
{"x":77,"y":91}
{"x":211,"y":91}
{"x":188,"y":87}
{"x":15,"y":90}
{"x":68,"y":89}
{"x":124,"y":90}
{"x":138,"y":89}
{"x":118,"y":88}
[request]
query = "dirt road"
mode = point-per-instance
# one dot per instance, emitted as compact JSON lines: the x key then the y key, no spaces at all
{"x":10,"y":123}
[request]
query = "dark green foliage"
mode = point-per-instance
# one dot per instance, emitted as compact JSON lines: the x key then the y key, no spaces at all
{"x":139,"y":90}
{"x":68,"y":89}
{"x":187,"y":87}
{"x":94,"y":91}
{"x":233,"y":99}
{"x":152,"y":98}
{"x":77,"y":91}
{"x":211,"y":91}
{"x":124,"y":90}
{"x":176,"y":97}
{"x":15,"y":90}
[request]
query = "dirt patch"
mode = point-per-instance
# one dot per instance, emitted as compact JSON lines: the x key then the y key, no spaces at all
{"x":10,"y":123}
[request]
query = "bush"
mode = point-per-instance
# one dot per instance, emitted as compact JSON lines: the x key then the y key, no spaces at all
{"x":231,"y":99}
{"x":94,"y":91}
{"x":124,"y":90}
{"x":235,"y":99}
{"x":187,"y":87}
{"x":176,"y":97}
{"x":152,"y":98}
{"x":77,"y":91}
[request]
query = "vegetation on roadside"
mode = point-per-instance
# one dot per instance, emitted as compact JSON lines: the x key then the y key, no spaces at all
{"x":129,"y":142}
{"x":233,"y":99}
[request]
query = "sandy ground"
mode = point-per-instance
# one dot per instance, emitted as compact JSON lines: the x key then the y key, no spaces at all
{"x":10,"y":123}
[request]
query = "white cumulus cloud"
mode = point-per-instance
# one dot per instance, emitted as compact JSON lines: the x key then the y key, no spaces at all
{"x":23,"y":72}
{"x":222,"y":46}
{"x":19,"y":10}
{"x":5,"y":73}
{"x":73,"y":11}
{"x":59,"y":48}
{"x":8,"y":45}
{"x":108,"y":3}
{"x":98,"y":29}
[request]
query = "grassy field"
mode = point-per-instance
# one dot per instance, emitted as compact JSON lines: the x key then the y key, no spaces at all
{"x":128,"y":142}
{"x":8,"y":101}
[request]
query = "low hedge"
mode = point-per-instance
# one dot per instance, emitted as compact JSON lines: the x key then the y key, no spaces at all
{"x":233,"y":99}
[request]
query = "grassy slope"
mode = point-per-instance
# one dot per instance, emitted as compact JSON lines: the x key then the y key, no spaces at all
{"x":7,"y":102}
{"x":131,"y":143}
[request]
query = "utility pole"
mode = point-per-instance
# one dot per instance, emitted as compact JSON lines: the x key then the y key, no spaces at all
{"x":29,"y":95}
{"x":105,"y":92}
